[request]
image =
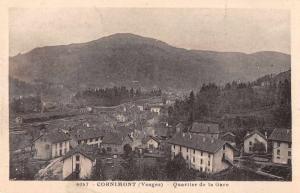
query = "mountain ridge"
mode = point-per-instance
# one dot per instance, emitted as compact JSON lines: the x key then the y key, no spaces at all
{"x":122,"y":58}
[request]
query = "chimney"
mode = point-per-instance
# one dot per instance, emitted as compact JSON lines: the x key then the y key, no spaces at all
{"x":190,"y":136}
{"x":203,"y":139}
{"x":183,"y":134}
{"x":212,"y":140}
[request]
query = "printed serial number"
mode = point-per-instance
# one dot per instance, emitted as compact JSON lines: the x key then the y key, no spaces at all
{"x":82,"y":184}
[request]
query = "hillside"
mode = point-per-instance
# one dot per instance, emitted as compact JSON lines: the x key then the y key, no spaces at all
{"x":121,"y":59}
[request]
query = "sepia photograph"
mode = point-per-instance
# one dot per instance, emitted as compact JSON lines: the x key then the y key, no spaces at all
{"x":149,"y":94}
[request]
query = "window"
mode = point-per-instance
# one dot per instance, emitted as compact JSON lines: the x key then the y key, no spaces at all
{"x":290,"y":145}
{"x":208,"y":163}
{"x":187,"y":157}
{"x":250,"y":148}
{"x":201,"y":153}
{"x":278,"y":144}
{"x":250,"y":142}
{"x":79,"y":141}
{"x":289,"y":153}
{"x":201,"y":161}
{"x":85,"y":141}
{"x":278,"y":151}
{"x":91,"y":140}
{"x":180,"y":148}
{"x":201,"y":169}
{"x":174,"y":146}
{"x":208,"y":155}
{"x":77,"y":167}
{"x":77,"y":157}
{"x":60,"y":152}
{"x":278,"y":157}
{"x":108,"y":149}
{"x":194,"y":159}
{"x":223,"y":147}
{"x":194,"y":151}
{"x":187,"y":149}
{"x":47,"y":146}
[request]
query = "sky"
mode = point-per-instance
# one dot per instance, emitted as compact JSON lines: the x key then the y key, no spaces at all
{"x":229,"y":30}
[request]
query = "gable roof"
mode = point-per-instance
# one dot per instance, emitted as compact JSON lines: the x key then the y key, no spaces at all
{"x":55,"y":136}
{"x":87,"y":133}
{"x":255,"y":132}
{"x":114,"y":138}
{"x":209,"y":128}
{"x":228,"y":133}
{"x":284,"y":135}
{"x":147,"y":138}
{"x":86,"y":150}
{"x":198,"y":142}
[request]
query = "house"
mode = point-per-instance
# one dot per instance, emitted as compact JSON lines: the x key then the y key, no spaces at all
{"x":51,"y":145}
{"x":205,"y":154}
{"x":114,"y":142}
{"x":89,"y":136}
{"x":281,"y":143}
{"x":205,"y":129}
{"x":140,"y":107}
{"x":120,"y":118}
{"x":255,"y":137}
{"x":155,"y":109}
{"x":179,"y":128}
{"x":151,"y":142}
{"x":229,"y":137}
{"x":79,"y":162}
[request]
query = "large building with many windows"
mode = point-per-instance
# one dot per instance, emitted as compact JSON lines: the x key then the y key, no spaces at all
{"x":281,"y":143}
{"x":51,"y":145}
{"x":205,"y":154}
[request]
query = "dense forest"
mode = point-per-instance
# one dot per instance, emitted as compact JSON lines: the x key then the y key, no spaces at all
{"x":237,"y":105}
{"x":28,"y":104}
{"x":112,"y":96}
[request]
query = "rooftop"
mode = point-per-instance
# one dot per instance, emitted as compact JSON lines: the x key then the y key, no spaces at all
{"x":284,"y":135}
{"x":84,"y":149}
{"x":195,"y":141}
{"x":114,"y":138}
{"x":255,"y":132}
{"x":209,"y":128}
{"x":55,"y":136}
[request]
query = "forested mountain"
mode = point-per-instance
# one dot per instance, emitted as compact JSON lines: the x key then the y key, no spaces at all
{"x":121,"y":59}
{"x":261,"y":103}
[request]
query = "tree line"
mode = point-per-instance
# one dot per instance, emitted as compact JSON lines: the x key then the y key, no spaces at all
{"x":113,"y":96}
{"x":236,"y":103}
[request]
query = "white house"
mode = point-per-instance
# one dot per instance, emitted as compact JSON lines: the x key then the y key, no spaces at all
{"x":89,"y":136}
{"x":79,"y":162}
{"x":252,"y":138}
{"x":140,"y":107}
{"x":151,"y":142}
{"x":155,"y":109}
{"x":281,"y":143}
{"x":51,"y":145}
{"x":205,"y":154}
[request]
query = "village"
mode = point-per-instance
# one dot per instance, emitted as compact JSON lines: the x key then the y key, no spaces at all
{"x":135,"y":141}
